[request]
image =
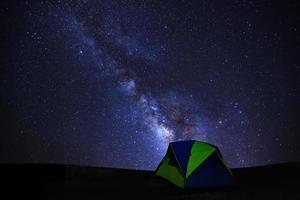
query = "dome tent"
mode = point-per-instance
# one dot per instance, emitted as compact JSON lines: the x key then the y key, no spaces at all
{"x":193,"y":164}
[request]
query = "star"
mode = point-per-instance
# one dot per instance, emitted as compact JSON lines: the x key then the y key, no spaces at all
{"x":101,"y":81}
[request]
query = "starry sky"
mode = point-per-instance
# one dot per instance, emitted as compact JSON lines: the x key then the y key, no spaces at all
{"x":110,"y":83}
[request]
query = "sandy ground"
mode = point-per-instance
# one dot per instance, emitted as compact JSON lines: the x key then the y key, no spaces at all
{"x":42,"y":181}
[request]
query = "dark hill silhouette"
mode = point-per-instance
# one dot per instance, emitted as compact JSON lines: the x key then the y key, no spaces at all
{"x":48,"y":181}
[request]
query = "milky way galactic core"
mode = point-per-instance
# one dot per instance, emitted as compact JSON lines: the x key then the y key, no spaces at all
{"x":112,"y":83}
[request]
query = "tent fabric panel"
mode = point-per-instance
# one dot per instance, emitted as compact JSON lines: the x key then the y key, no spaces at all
{"x":182,"y":151}
{"x":199,"y":152}
{"x":211,"y":173}
{"x":170,"y":172}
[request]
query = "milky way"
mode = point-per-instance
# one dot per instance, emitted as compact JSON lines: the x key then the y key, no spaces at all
{"x":167,"y":117}
{"x":111,"y":83}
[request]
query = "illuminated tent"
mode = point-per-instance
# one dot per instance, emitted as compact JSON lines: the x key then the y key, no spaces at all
{"x":194,"y":164}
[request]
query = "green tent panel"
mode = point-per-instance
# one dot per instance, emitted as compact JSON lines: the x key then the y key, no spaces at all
{"x":169,"y":169}
{"x":199,"y":152}
{"x":194,"y":164}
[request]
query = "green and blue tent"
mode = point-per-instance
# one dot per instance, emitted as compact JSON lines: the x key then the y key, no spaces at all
{"x":194,"y":164}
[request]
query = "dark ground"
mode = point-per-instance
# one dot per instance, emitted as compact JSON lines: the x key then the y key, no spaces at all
{"x":45,"y":181}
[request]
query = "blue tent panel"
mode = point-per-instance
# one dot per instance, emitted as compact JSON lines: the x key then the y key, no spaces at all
{"x":182,"y":152}
{"x":211,"y":173}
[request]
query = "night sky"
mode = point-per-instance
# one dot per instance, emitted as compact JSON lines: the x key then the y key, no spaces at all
{"x":111,"y":83}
